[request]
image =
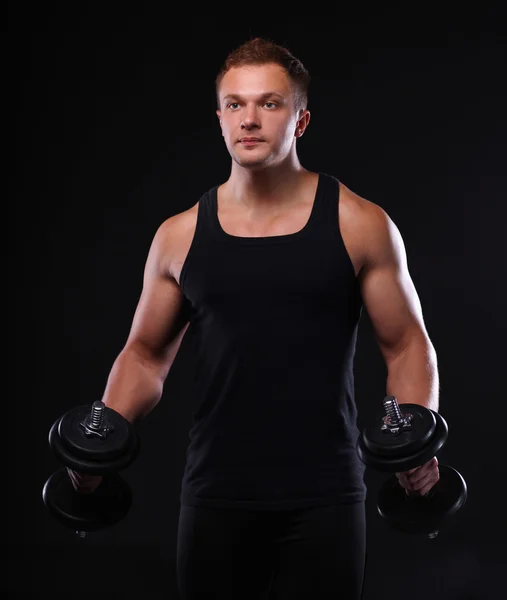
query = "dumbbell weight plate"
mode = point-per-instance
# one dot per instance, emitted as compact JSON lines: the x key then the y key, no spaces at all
{"x":422,"y":428}
{"x":422,"y":514}
{"x":104,"y":507}
{"x":406,"y":462}
{"x":91,"y":454}
{"x":92,"y":447}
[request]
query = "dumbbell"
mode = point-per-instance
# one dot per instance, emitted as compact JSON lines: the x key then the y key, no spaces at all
{"x":96,"y":440}
{"x":401,"y":439}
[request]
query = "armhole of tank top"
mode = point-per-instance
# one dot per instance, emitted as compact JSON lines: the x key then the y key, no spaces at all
{"x":197,"y":230}
{"x":344,"y":247}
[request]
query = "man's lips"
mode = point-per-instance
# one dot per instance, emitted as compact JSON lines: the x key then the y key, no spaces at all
{"x":250,"y":140}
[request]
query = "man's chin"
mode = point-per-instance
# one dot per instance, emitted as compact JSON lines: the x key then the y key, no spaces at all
{"x":253,"y":163}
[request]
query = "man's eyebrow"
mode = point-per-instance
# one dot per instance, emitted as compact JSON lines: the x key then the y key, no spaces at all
{"x":263,"y":96}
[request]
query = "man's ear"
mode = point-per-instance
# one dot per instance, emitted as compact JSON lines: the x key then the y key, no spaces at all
{"x":219,"y":115}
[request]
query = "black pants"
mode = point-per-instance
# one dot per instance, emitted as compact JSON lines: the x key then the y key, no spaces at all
{"x":272,"y":555}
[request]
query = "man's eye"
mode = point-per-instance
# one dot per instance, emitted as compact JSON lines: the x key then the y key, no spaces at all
{"x":234,"y":105}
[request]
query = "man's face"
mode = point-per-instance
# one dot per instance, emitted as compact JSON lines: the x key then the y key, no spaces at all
{"x":256,"y":102}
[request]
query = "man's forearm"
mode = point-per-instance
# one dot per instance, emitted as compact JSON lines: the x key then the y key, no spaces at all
{"x":413,"y":375}
{"x":134,"y":386}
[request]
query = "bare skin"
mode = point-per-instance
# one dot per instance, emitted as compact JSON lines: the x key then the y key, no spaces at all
{"x":269,"y":193}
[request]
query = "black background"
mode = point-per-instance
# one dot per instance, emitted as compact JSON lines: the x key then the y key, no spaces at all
{"x":113,"y":109}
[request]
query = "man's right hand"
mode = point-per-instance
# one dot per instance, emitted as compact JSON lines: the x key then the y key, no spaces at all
{"x":84,"y":483}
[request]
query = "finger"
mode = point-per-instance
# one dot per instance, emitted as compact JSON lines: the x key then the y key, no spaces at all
{"x":79,"y":483}
{"x":72,"y":477}
{"x":75,"y":476}
{"x":417,"y":475}
{"x":87,"y":488}
{"x":429,"y":468}
{"x":410,"y":471}
{"x":427,"y":483}
{"x":402,"y":479}
{"x":413,"y":485}
{"x":420,"y":477}
{"x":430,"y":465}
{"x":405,"y":475}
{"x":84,"y":483}
{"x":418,"y":485}
{"x":427,"y":488}
{"x":406,"y":486}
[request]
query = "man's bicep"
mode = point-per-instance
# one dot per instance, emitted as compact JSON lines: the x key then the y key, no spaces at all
{"x":160,"y":316}
{"x":162,"y":311}
{"x":388,"y":292}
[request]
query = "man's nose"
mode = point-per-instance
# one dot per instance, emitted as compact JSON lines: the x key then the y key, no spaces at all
{"x":250,"y":117}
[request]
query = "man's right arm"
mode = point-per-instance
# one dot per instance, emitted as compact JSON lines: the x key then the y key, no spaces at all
{"x":135,"y":383}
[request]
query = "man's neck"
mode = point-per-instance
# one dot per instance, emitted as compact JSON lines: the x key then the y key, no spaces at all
{"x":263,"y":191}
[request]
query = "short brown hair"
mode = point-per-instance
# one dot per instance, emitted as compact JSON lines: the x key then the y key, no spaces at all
{"x":260,"y":51}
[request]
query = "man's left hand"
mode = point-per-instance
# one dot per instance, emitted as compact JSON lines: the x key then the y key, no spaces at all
{"x":420,"y":480}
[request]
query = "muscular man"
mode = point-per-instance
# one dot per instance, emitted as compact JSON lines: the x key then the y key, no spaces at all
{"x":272,"y":269}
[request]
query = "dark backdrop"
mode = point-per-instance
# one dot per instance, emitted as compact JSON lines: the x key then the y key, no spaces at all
{"x":115,"y":131}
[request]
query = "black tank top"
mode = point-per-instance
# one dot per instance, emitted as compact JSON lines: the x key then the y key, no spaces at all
{"x":275,"y":323}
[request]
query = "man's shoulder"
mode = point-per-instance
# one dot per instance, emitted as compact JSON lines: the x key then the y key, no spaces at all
{"x":368,"y":227}
{"x":361,"y":212}
{"x":173,"y":234}
{"x":179,"y":223}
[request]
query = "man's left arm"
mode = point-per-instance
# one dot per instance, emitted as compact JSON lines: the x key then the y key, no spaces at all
{"x":393,"y":305}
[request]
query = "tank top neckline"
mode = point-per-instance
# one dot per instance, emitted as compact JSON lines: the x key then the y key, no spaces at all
{"x":271,"y":239}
